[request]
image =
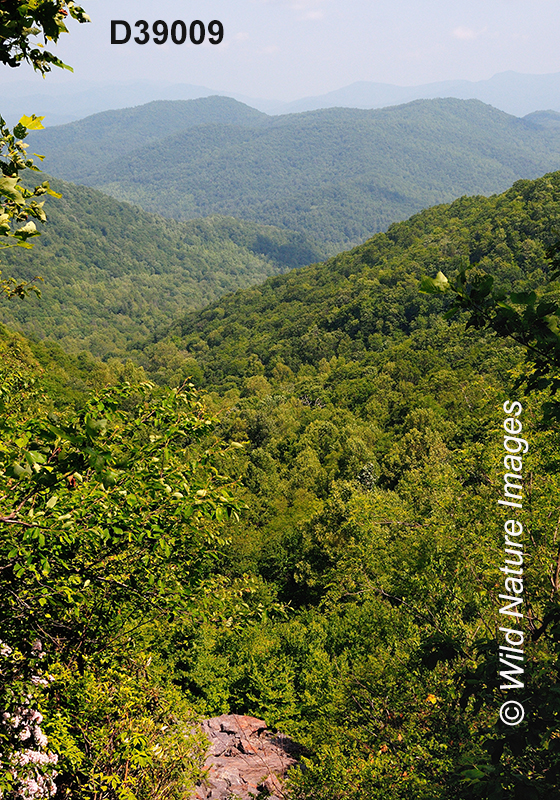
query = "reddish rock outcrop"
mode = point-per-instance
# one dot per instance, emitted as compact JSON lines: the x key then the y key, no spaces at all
{"x":244,"y":760}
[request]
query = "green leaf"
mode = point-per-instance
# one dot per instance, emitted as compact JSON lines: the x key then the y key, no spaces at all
{"x":436,"y":285}
{"x":8,"y":189}
{"x":17,"y":471}
{"x":523,"y":298}
{"x":27,"y":231}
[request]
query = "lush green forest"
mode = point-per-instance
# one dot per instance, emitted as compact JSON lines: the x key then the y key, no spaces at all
{"x":357,"y":304}
{"x":314,"y":540}
{"x":115,"y":275}
{"x":337,"y":175}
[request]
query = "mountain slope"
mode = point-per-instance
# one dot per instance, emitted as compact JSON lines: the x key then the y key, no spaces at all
{"x":338,"y":175}
{"x":359,"y":303}
{"x":115,"y":274}
{"x":77,"y":151}
{"x":355,"y":605}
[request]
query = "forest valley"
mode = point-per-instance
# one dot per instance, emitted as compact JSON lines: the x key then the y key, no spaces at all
{"x":311,"y":536}
{"x":286,"y":505}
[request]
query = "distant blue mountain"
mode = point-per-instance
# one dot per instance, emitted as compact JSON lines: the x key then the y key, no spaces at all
{"x":513,"y":92}
{"x":60,"y":104}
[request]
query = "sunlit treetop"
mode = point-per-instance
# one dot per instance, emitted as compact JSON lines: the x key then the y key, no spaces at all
{"x":23,"y":20}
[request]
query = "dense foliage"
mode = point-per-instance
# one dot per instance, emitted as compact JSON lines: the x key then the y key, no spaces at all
{"x":524,"y":317}
{"x":20,"y":20}
{"x":114,"y":276}
{"x":358,"y":302}
{"x":337,"y":175}
{"x":316,"y":541}
{"x":18,"y":202}
{"x":111,"y":526}
{"x":371,"y":475}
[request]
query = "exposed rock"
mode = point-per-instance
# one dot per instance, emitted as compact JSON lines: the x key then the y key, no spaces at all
{"x":244,"y":760}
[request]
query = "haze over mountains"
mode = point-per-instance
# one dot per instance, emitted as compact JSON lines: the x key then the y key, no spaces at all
{"x":336,"y":175}
{"x":516,"y":93}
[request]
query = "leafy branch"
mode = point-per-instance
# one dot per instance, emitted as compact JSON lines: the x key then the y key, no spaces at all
{"x":22,"y":19}
{"x":524,"y":317}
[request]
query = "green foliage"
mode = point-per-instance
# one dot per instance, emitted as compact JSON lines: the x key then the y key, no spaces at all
{"x":113,"y":514}
{"x":19,"y":21}
{"x":22,"y":19}
{"x":96,"y":505}
{"x":353,"y":602}
{"x":121,"y":733}
{"x":17,"y":202}
{"x":24,"y":760}
{"x":114,"y":733}
{"x":352,"y":305}
{"x":370,"y":473}
{"x":524,"y":317}
{"x":115,"y":277}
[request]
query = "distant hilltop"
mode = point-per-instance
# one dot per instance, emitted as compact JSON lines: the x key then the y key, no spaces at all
{"x":336,"y":176}
{"x":514,"y":92}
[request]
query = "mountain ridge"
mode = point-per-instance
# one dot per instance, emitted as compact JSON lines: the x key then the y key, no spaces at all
{"x":356,"y":303}
{"x":336,"y":175}
{"x":514,"y":92}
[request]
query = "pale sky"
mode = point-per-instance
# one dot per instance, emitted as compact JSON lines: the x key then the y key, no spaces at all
{"x":287,"y":49}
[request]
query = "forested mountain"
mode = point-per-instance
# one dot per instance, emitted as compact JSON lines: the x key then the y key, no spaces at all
{"x":19,"y":96}
{"x":355,"y":603}
{"x":115,"y":274}
{"x":288,"y":504}
{"x":352,"y":305}
{"x":338,"y":175}
{"x":80,"y":151}
{"x":372,"y":467}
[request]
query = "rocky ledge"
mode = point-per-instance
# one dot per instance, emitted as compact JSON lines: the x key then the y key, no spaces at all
{"x":244,"y":760}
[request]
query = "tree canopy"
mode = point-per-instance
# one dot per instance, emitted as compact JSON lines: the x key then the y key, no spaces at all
{"x":22,"y":20}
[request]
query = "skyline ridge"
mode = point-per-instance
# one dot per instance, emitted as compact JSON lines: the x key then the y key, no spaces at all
{"x":516,"y":93}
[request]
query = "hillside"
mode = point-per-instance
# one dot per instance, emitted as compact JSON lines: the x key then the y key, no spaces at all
{"x":80,"y":150}
{"x":315,"y":542}
{"x":337,"y":175}
{"x":373,"y":458}
{"x":354,"y":304}
{"x":114,"y":275}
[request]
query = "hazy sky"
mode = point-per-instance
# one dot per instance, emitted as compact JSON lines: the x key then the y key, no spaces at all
{"x":287,"y":49}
